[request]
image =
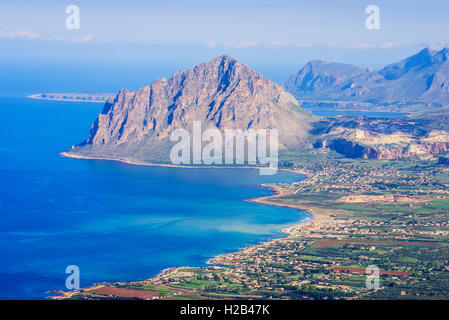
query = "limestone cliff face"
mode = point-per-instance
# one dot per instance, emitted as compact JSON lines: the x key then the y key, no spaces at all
{"x":222,"y":93}
{"x":415,"y":149}
{"x":418,"y":136}
{"x":349,"y":149}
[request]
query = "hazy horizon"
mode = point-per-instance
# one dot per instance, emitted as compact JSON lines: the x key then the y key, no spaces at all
{"x":120,"y":46}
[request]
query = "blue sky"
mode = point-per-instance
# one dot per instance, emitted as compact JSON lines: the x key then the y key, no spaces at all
{"x":242,"y":23}
{"x":274,"y":37}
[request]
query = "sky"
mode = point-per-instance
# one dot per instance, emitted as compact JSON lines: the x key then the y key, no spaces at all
{"x":143,"y":40}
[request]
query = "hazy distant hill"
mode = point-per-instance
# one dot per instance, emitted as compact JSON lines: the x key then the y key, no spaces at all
{"x":317,"y":76}
{"x":420,"y":79}
{"x":222,"y":93}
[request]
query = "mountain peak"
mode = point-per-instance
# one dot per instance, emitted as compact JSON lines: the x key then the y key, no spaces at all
{"x":442,"y":55}
{"x":223,"y":64}
{"x":419,"y":61}
{"x":316,"y":62}
{"x":320,"y":75}
{"x":222,"y":93}
{"x":423,"y":56}
{"x":225,"y":57}
{"x":424,"y":51}
{"x":429,"y":52}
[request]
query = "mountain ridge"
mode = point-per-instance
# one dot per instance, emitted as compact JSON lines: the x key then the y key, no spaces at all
{"x":422,"y":78}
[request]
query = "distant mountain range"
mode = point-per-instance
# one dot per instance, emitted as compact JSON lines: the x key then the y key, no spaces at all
{"x":222,"y":93}
{"x":417,"y":83}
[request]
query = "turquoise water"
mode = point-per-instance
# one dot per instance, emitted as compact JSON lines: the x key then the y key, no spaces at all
{"x":114,"y":221}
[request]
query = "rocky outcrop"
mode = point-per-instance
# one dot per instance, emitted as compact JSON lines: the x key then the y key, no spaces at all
{"x":435,"y":147}
{"x":349,"y":149}
{"x":353,"y":149}
{"x":222,"y":93}
{"x":421,"y":136}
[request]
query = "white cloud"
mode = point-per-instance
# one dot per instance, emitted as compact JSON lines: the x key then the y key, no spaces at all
{"x":252,"y":44}
{"x":332,"y":44}
{"x":302,"y":45}
{"x":241,"y":44}
{"x":369,"y":46}
{"x":26,"y":34}
{"x":211,"y":44}
{"x":86,"y":38}
{"x":388,"y":45}
{"x":289,"y":44}
{"x":279,"y":44}
{"x":363,"y":46}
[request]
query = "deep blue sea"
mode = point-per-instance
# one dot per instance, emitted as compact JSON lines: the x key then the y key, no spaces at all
{"x":114,"y":221}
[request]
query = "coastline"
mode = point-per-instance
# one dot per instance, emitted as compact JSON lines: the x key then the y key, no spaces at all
{"x":67,"y":154}
{"x":214,"y":262}
{"x":288,"y":231}
{"x":280,"y":192}
{"x":39,"y":97}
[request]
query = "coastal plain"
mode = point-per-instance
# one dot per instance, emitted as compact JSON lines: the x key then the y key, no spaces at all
{"x":355,"y":224}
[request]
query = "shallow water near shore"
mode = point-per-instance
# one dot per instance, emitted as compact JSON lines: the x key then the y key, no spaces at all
{"x":115,"y":221}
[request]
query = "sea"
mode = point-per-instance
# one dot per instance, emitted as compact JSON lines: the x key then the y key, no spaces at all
{"x":114,"y":221}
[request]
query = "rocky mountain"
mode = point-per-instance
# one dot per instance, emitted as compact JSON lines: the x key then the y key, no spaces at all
{"x":420,"y":79}
{"x":222,"y":93}
{"x":317,"y":76}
